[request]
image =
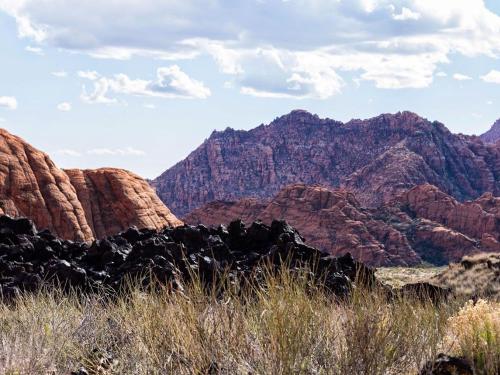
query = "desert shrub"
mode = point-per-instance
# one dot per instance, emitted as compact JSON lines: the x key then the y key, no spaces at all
{"x":475,"y":334}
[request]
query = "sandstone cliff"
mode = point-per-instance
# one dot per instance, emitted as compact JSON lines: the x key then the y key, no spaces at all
{"x":77,"y":205}
{"x":377,"y":159}
{"x":423,"y":224}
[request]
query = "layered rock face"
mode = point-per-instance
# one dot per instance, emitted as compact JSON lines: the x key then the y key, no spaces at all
{"x":77,"y":205}
{"x":492,"y":135}
{"x":423,"y":224}
{"x":376,"y":159}
{"x":115,"y":199}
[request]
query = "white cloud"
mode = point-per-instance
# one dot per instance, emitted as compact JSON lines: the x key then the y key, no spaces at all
{"x":60,"y":74}
{"x":492,"y":77}
{"x":87,"y":74}
{"x":391,"y":43}
{"x":441,"y":74}
{"x":64,"y":107}
{"x":406,"y":14}
{"x":171,"y":82}
{"x":68,"y":152}
{"x":8,"y":102}
{"x":461,"y":77}
{"x":489,"y":102}
{"x":36,"y":50}
{"x":98,"y":96}
{"x":149,"y":106}
{"x":128,"y":151}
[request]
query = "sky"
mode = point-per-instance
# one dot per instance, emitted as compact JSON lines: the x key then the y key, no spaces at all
{"x":139,"y":84}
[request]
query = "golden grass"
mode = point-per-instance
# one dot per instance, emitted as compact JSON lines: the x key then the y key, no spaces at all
{"x":287,"y":326}
{"x":475,"y":334}
{"x":476,"y":276}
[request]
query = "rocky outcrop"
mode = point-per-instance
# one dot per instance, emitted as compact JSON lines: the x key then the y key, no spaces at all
{"x":29,"y":258}
{"x":377,"y":159}
{"x":115,"y":199}
{"x":423,"y":224}
{"x":492,"y":135}
{"x":478,"y":219}
{"x":77,"y":205}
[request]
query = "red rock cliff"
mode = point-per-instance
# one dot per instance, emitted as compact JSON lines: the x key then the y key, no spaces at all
{"x":78,"y":205}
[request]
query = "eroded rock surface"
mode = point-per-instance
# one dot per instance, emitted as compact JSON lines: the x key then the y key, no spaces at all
{"x":77,"y":205}
{"x":115,"y":199}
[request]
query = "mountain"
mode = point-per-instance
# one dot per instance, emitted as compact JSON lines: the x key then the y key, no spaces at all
{"x":377,"y":159}
{"x":492,"y":135}
{"x":423,"y":224}
{"x":74,"y":204}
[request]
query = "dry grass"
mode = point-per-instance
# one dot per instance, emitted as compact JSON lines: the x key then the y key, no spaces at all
{"x":287,"y":327}
{"x":475,"y":334}
{"x":399,"y":276}
{"x":476,"y":276}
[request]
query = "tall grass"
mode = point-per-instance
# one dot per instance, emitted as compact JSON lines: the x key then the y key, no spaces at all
{"x":285,"y":325}
{"x":475,"y":334}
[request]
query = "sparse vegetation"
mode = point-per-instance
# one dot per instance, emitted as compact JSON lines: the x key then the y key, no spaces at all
{"x":399,"y":276}
{"x":285,"y":325}
{"x":476,"y":276}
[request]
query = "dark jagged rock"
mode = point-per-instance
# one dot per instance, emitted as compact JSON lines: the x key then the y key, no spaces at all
{"x":28,"y":258}
{"x":446,"y":365}
{"x":426,"y":292}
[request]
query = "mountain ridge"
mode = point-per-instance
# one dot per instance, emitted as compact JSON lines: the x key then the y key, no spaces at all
{"x":376,"y":158}
{"x":492,"y":135}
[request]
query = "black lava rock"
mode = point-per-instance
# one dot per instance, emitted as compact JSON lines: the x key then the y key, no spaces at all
{"x":28,"y":258}
{"x":446,"y":365}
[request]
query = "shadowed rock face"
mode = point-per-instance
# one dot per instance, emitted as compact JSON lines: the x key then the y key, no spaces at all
{"x":423,"y":224}
{"x":377,"y":159}
{"x":492,"y":135}
{"x":76,"y":205}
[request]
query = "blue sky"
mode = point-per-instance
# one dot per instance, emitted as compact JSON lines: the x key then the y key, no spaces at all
{"x":139,"y":84}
